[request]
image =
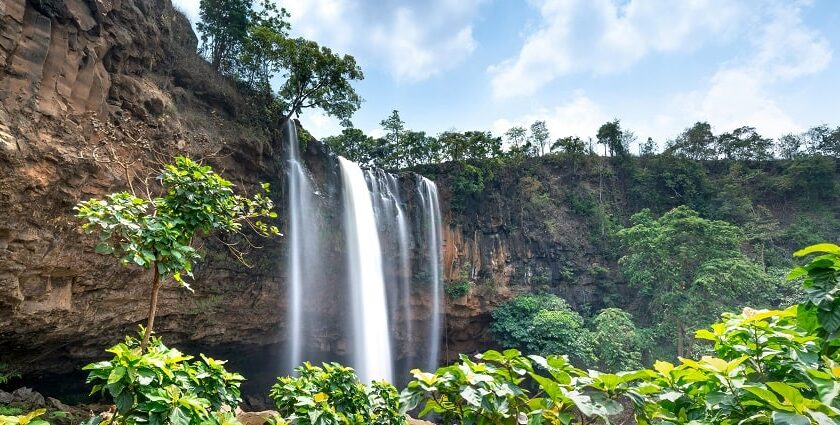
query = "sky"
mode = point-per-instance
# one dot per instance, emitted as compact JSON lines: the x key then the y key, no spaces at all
{"x":657,"y":65}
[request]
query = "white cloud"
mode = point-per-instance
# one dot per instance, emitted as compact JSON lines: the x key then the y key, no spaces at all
{"x":604,"y":36}
{"x":319,"y":124}
{"x":580,"y":116}
{"x":742,"y":92}
{"x":412,"y":40}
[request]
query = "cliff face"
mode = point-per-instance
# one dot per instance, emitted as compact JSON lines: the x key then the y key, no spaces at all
{"x":93,"y":93}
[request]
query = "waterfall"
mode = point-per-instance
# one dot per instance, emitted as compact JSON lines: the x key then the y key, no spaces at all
{"x":431,"y":212}
{"x":300,"y":226}
{"x":363,"y":262}
{"x":371,"y":337}
{"x":393,"y":224}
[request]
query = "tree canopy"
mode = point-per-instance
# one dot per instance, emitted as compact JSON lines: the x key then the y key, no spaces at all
{"x":680,"y":261}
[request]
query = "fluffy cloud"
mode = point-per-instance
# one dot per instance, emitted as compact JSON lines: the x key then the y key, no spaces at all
{"x":604,"y":36}
{"x":580,"y":116}
{"x":411,"y":40}
{"x":741,"y":93}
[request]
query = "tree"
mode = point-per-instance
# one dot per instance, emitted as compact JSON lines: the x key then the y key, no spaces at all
{"x":543,"y":324}
{"x":614,"y":139}
{"x":354,"y":145}
{"x":158,"y":233}
{"x":317,"y":78}
{"x":617,"y":341}
{"x":470,"y":145}
{"x":266,"y":31}
{"x":648,"y":148}
{"x":696,"y":142}
{"x":790,"y":146}
{"x":744,"y":143}
{"x":822,"y":140}
{"x":391,"y":147}
{"x":570,"y":145}
{"x":224,"y":28}
{"x":516,"y":136}
{"x":690,"y":268}
{"x":540,"y":137}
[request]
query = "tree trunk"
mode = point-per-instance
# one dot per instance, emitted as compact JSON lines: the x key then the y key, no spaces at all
{"x":680,"y":339}
{"x":152,"y":308}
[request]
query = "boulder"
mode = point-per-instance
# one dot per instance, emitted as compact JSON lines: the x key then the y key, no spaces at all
{"x":256,"y":418}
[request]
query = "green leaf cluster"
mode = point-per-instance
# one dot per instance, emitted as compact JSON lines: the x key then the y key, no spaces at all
{"x":508,"y":388}
{"x":766,"y":367}
{"x":31,"y":418}
{"x":158,"y":232}
{"x":680,"y":261}
{"x":543,"y":324}
{"x":164,"y":386}
{"x":331,"y":394}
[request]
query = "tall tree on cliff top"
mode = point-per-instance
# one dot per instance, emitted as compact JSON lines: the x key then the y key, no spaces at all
{"x":690,"y":269}
{"x":696,"y":142}
{"x":614,"y":139}
{"x":223,"y":27}
{"x":317,"y":78}
{"x":157,"y":233}
{"x":540,"y":137}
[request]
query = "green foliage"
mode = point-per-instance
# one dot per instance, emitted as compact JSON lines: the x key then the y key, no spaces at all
{"x":223,"y":28}
{"x":316,"y":77}
{"x":767,"y":367}
{"x":31,"y":418}
{"x":158,"y":232}
{"x":508,"y":388}
{"x":821,"y":276}
{"x":696,"y":142}
{"x":543,"y":324}
{"x":618,"y":343}
{"x":11,"y":411}
{"x":162,"y":385}
{"x":457,"y":289}
{"x":744,"y":143}
{"x":332,"y":395}
{"x":680,"y":261}
{"x":467,"y":183}
{"x":7,"y":373}
{"x":614,"y":139}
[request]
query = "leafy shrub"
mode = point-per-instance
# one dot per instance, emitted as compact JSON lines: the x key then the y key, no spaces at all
{"x":508,"y":388}
{"x":461,"y":284}
{"x":457,"y":289}
{"x":767,"y":367}
{"x":7,"y":373}
{"x":162,"y":385}
{"x":468,"y":182}
{"x":543,"y":324}
{"x":32,"y":418}
{"x":332,"y":395}
{"x":617,"y":341}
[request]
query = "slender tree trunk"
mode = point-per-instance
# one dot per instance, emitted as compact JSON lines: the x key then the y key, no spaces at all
{"x":680,"y":339}
{"x":152,"y":308}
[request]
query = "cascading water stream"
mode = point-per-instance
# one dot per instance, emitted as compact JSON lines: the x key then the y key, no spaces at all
{"x":431,"y":208}
{"x":298,"y":187}
{"x":346,"y":301}
{"x":371,"y":340}
{"x":393,"y":224}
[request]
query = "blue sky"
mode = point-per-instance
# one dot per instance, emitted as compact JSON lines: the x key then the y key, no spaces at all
{"x":658,"y":65}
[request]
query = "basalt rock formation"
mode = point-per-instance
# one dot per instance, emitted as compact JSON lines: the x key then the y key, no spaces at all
{"x":93,"y":96}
